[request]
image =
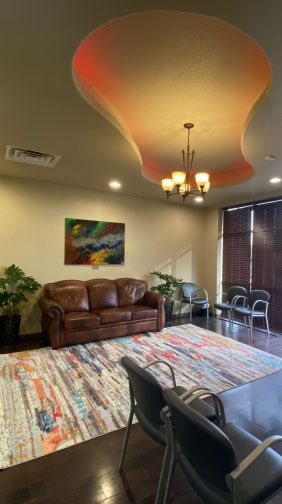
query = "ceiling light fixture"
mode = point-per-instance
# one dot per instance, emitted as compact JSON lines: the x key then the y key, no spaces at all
{"x":181,"y":181}
{"x":270,"y":157}
{"x":115,"y":184}
{"x":199,"y":199}
{"x":275,"y":180}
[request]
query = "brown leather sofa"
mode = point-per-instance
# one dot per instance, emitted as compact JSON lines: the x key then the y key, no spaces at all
{"x":74,"y":311}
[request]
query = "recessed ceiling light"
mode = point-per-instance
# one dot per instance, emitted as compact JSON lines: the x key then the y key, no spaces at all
{"x":115,"y":184}
{"x":199,"y":199}
{"x":275,"y":180}
{"x":270,"y":157}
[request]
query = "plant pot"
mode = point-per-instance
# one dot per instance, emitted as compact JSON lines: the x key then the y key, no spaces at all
{"x":168,"y":310}
{"x":9,"y":329}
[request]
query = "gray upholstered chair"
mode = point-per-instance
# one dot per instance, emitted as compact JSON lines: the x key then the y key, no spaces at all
{"x":255,"y":305}
{"x":224,"y":463}
{"x":192,"y":295}
{"x":147,"y":402}
{"x":229,"y":297}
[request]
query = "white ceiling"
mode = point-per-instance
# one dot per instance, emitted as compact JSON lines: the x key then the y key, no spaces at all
{"x":41,"y":109}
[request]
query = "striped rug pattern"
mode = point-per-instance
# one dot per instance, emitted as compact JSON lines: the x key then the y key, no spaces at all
{"x":53,"y":399}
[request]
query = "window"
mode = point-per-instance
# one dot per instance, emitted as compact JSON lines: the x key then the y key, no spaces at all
{"x":252,"y":252}
{"x":236,"y":247}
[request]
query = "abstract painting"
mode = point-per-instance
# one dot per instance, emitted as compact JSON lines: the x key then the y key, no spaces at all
{"x":94,"y":242}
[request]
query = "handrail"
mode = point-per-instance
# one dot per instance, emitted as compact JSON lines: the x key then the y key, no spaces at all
{"x":219,"y":407}
{"x":158,"y":361}
{"x":253,"y":456}
{"x":206,"y":293}
{"x":260,"y":301}
{"x":235,"y":299}
{"x":185,"y":395}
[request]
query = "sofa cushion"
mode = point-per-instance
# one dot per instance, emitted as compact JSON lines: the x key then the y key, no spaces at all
{"x":141,"y":312}
{"x":79,"y":320}
{"x":102,"y":293}
{"x":112,"y":315}
{"x":71,"y":295}
{"x":130,"y":291}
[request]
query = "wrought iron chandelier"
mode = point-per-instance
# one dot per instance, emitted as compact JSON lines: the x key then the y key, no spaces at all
{"x":181,"y":181}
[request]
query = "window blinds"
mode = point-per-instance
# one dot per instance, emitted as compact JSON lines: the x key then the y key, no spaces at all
{"x":252,"y":252}
{"x":236,"y":247}
{"x":267,"y":257}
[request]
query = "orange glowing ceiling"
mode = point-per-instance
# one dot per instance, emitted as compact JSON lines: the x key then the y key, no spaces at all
{"x":150,"y":73}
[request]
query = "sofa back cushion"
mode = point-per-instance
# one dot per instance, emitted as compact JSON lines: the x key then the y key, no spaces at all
{"x":130,"y":291}
{"x":70,"y":294}
{"x":102,"y":293}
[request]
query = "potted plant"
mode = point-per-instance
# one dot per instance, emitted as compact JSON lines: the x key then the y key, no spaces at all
{"x":14,"y":285}
{"x":167,"y":287}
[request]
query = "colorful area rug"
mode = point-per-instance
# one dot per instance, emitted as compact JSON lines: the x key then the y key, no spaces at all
{"x":52,"y":399}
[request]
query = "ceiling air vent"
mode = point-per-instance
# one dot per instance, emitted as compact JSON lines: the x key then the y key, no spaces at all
{"x":31,"y":157}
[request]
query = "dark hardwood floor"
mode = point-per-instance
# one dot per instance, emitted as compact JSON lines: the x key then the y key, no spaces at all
{"x":87,"y":473}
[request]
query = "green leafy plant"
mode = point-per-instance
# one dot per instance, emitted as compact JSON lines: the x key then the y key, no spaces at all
{"x":14,"y":286}
{"x":168,"y":286}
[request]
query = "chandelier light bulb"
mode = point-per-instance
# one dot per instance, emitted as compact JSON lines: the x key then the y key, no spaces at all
{"x":206,"y":187}
{"x":167,"y":185}
{"x":201,"y":180}
{"x":178,"y":177}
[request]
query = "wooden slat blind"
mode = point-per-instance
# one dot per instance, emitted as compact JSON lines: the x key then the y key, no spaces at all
{"x":236,"y":247}
{"x":267,"y":257}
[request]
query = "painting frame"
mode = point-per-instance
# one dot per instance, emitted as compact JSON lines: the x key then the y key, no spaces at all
{"x":93,"y":242}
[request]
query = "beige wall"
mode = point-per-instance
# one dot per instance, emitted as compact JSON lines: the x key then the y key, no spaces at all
{"x":158,"y":235}
{"x":212,"y":258}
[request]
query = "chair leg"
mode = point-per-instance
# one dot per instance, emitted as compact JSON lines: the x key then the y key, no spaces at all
{"x":208,"y":311}
{"x":170,"y":479}
{"x":190,"y":312}
{"x":172,"y":449}
{"x":232,"y":318}
{"x":267,"y":324}
{"x":251,"y":328}
{"x":126,"y":438}
{"x":163,"y":476}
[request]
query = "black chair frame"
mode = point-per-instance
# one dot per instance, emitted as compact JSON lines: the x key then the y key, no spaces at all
{"x":148,"y":405}
{"x":133,"y":406}
{"x":251,"y":311}
{"x":192,"y":300}
{"x":173,"y":451}
{"x":229,"y":303}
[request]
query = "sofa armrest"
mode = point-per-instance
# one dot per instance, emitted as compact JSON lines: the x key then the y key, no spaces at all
{"x":52,"y":320}
{"x":156,"y":300}
{"x":153,"y":299}
{"x":47,"y":304}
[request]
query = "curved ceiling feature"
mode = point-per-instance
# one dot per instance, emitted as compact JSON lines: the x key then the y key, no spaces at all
{"x":149,"y":73}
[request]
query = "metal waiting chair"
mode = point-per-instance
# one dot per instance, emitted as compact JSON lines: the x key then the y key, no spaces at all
{"x":230,"y":297}
{"x":224,"y":463}
{"x":147,"y":402}
{"x":255,"y":305}
{"x":191,"y":294}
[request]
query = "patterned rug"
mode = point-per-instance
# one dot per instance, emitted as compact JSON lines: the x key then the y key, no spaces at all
{"x":52,"y":399}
